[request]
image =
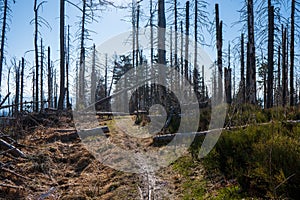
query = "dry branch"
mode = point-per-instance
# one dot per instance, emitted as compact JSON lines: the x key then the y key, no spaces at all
{"x":13,"y":150}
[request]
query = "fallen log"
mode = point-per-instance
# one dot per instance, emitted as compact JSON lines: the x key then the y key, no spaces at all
{"x":12,"y":149}
{"x":11,"y":186}
{"x":4,"y":99}
{"x":93,"y":132}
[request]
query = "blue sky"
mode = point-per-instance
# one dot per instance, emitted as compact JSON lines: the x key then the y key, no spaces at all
{"x":20,"y":36}
{"x":111,"y":23}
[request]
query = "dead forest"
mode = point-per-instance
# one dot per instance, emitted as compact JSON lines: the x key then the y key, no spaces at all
{"x":177,"y":55}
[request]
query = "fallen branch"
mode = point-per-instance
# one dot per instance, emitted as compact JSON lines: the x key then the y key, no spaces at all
{"x":11,"y":186}
{"x":13,"y":150}
{"x":3,"y":101}
{"x":14,"y":173}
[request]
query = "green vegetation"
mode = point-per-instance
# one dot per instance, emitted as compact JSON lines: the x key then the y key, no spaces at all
{"x":264,"y":158}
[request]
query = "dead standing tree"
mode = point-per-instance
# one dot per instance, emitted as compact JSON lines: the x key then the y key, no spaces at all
{"x":38,"y":22}
{"x":4,"y":19}
{"x":62,"y":55}
{"x":292,"y":53}
{"x":270,"y":55}
{"x":251,"y":64}
{"x":219,"y":45}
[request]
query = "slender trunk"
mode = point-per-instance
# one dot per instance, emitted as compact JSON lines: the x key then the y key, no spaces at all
{"x":279,"y":70}
{"x":55,"y":89}
{"x":137,"y":36}
{"x":270,"y":56}
{"x":284,"y":67}
{"x":22,"y":84}
{"x":82,"y":58}
{"x":181,"y":48}
{"x":33,"y":90}
{"x":203,"y":85}
{"x":67,"y":69}
{"x":176,"y":35}
{"x":219,"y":51}
{"x":106,"y":77}
{"x":161,"y":32}
{"x":251,"y":55}
{"x":227,"y":74}
{"x":161,"y":48}
{"x":17,"y":71}
{"x":187,"y":32}
{"x":8,"y":90}
{"x":196,"y":78}
{"x":5,"y":7}
{"x":36,"y":108}
{"x":93,"y":76}
{"x":133,"y":18}
{"x":62,"y":56}
{"x":243,"y":70}
{"x":41,"y":77}
{"x":292,"y":53}
{"x":50,"y":84}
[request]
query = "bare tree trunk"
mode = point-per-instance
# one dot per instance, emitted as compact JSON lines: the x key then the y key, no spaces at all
{"x":8,"y":90}
{"x":219,"y":50}
{"x":187,"y":32}
{"x":151,"y":34}
{"x":55,"y":89}
{"x":50,"y":80}
{"x":105,"y":76}
{"x":196,"y":72}
{"x":67,"y":69}
{"x":133,"y":18}
{"x":33,"y":90}
{"x":279,"y":76}
{"x":62,"y":56}
{"x":41,"y":77}
{"x":161,"y":32}
{"x":181,"y":51}
{"x":203,"y":84}
{"x":292,"y":53}
{"x":17,"y":97}
{"x":22,"y":84}
{"x":284,"y":67}
{"x":270,"y":56}
{"x":3,"y":32}
{"x":161,"y":46}
{"x":251,"y":55}
{"x":36,"y":108}
{"x":177,"y":76}
{"x":243,"y":70}
{"x":93,"y":76}
{"x":227,"y":74}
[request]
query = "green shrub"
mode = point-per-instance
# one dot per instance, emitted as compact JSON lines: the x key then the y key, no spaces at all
{"x":265,"y":160}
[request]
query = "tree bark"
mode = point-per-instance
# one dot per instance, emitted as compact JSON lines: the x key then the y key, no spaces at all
{"x":36,"y":107}
{"x":50,"y":80}
{"x":284,"y":67}
{"x":22,"y":83}
{"x":251,"y":55}
{"x":93,"y":76}
{"x":62,"y":56}
{"x":67,"y":70}
{"x":41,"y":77}
{"x":292,"y":53}
{"x":3,"y":32}
{"x":270,"y":55}
{"x":243,"y":97}
{"x":219,"y":44}
{"x":187,"y":32}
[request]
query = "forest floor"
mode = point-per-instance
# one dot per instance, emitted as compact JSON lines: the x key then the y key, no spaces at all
{"x":58,"y":166}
